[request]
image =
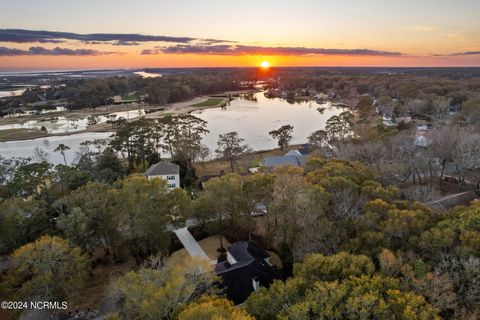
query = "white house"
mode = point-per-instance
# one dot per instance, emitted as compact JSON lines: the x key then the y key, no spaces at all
{"x":388,"y":121}
{"x":167,"y":171}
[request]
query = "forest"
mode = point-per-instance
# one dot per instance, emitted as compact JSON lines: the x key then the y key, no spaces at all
{"x":352,"y":227}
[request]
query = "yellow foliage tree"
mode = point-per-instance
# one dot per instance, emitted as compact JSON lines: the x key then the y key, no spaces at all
{"x":49,"y":268}
{"x":160,"y":293}
{"x":210,"y":308}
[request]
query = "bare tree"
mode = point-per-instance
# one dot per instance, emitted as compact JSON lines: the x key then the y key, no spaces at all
{"x":444,"y":140}
{"x":467,"y":153}
{"x":440,"y":106}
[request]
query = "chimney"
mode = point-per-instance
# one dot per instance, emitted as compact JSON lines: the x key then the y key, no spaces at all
{"x":255,"y":283}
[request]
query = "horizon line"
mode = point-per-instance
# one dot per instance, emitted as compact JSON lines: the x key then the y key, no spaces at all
{"x":26,"y":71}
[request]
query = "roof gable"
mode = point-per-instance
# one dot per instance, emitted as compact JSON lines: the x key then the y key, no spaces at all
{"x":448,"y":202}
{"x":162,"y":168}
{"x":294,"y":160}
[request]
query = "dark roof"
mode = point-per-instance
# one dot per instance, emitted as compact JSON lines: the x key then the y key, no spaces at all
{"x":298,"y":161}
{"x":238,"y":278}
{"x":162,"y":168}
{"x":448,"y":202}
{"x":294,"y":152}
{"x":305,"y":149}
{"x":244,"y":253}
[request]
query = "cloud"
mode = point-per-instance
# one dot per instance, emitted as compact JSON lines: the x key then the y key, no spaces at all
{"x":28,"y":36}
{"x":467,"y":53}
{"x":150,"y":51}
{"x":457,"y":54}
{"x":214,"y":41}
{"x":421,"y":28}
{"x":454,"y":36}
{"x":450,"y":35}
{"x":225,"y":49}
{"x":125,"y":43}
{"x":41,"y":51}
{"x":183,"y":45}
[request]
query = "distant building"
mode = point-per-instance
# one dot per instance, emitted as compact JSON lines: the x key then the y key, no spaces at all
{"x":448,"y":202}
{"x":321,"y":96}
{"x":246,"y":268}
{"x":406,"y":119}
{"x":293,"y":157}
{"x":388,"y":121}
{"x":167,"y":171}
{"x":122,"y":100}
{"x":423,"y":139}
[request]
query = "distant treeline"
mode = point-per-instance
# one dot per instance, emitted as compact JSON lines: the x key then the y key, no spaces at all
{"x":398,"y":91}
{"x":95,"y":92}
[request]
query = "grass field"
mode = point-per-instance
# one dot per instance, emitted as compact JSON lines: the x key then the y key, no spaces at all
{"x":130,"y":97}
{"x":253,"y":159}
{"x":12,"y":134}
{"x":209,"y":245}
{"x":208,"y":103}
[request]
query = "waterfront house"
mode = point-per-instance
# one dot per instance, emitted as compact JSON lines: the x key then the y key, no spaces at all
{"x":293,"y":157}
{"x":245,"y":268}
{"x":448,"y":202}
{"x":167,"y":171}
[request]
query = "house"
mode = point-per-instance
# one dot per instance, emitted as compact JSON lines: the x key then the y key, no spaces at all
{"x":167,"y":171}
{"x":321,"y":96}
{"x":448,"y":202}
{"x":388,"y":121}
{"x":293,"y":157}
{"x":423,"y":140}
{"x":122,"y":100}
{"x":406,"y":119}
{"x":246,"y":267}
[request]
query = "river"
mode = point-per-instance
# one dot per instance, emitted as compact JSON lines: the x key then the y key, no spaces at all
{"x":62,"y":124}
{"x":252,"y":119}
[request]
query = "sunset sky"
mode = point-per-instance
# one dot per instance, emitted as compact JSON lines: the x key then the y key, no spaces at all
{"x":67,"y":34}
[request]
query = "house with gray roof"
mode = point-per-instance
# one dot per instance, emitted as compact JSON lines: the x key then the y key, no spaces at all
{"x":293,"y":158}
{"x":167,"y":171}
{"x":453,"y":200}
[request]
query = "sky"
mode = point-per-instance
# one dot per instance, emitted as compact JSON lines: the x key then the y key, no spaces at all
{"x":91,"y":34}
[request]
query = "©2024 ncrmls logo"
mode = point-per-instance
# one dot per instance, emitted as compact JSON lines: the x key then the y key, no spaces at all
{"x":34,"y":305}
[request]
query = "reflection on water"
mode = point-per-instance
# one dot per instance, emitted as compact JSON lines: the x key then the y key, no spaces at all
{"x":144,"y":74}
{"x":255,"y":116}
{"x":26,"y":148}
{"x":63,"y":124}
{"x":11,"y":93}
{"x":252,"y":118}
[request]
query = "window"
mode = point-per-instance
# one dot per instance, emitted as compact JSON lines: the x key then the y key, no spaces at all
{"x":170,"y":177}
{"x":171,"y":185}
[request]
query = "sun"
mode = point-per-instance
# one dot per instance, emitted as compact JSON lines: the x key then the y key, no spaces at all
{"x":265,"y":64}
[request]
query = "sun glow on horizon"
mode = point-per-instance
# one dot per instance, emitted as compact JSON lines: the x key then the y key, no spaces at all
{"x":265,"y":64}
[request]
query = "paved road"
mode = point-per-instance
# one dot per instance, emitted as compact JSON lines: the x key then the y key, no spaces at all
{"x":190,"y":244}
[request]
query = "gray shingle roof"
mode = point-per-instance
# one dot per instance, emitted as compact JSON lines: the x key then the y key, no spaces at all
{"x":162,"y":168}
{"x":293,"y":153}
{"x":298,"y":161}
{"x":448,"y":202}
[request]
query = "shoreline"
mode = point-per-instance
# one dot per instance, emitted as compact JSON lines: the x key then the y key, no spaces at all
{"x":173,"y":109}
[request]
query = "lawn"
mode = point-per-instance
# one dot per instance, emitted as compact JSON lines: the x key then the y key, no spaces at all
{"x":12,"y":134}
{"x":214,"y":167}
{"x":208,"y":103}
{"x":102,"y":276}
{"x":130,"y":97}
{"x":209,"y":245}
